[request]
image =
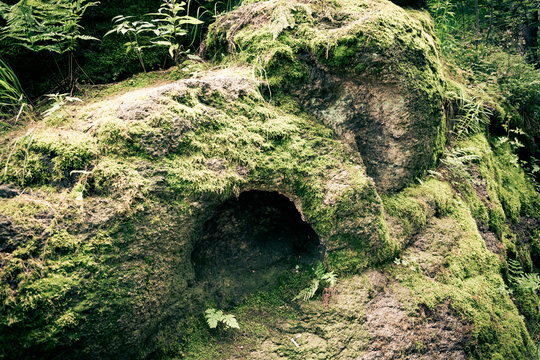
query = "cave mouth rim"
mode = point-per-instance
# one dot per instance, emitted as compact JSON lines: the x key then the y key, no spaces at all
{"x":256,"y":232}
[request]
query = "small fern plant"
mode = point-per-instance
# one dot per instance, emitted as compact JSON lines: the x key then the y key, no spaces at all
{"x":322,"y":280}
{"x":520,"y":279}
{"x":215,"y":317}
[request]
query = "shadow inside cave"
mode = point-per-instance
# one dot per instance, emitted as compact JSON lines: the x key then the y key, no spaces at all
{"x":248,"y":243}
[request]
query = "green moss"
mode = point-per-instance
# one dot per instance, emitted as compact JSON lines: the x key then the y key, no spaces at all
{"x":151,"y":183}
{"x":346,"y":261}
{"x":412,"y":207}
{"x":470,"y":279}
{"x":47,"y":156}
{"x":364,"y":47}
{"x":114,"y":275}
{"x":301,"y":48}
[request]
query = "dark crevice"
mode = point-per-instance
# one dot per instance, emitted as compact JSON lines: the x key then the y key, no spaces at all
{"x":248,"y":243}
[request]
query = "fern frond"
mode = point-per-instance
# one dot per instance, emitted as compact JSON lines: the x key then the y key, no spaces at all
{"x":320,"y":270}
{"x":214,"y":317}
{"x":282,"y":20}
{"x":529,"y":282}
{"x":230,"y":321}
{"x":330,"y":278}
{"x":309,"y":292}
{"x":515,"y":271}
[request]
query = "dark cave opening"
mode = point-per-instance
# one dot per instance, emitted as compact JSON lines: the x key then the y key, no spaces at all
{"x":248,"y":243}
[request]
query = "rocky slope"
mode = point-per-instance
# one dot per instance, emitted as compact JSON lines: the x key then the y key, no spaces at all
{"x":222,"y":185}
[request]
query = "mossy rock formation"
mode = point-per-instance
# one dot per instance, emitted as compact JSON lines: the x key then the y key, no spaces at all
{"x":137,"y":178}
{"x":368,"y":69}
{"x":123,"y":218}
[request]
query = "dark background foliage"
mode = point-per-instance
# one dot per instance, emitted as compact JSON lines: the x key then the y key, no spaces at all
{"x":106,"y":60}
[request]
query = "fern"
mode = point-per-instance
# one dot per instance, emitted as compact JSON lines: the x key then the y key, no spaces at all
{"x":52,"y":26}
{"x":215,"y":317}
{"x":474,"y":115}
{"x":515,"y":271}
{"x":284,"y":19}
{"x":320,"y":270}
{"x":330,"y":279}
{"x":322,"y":277}
{"x":518,"y":278}
{"x":457,"y":161}
{"x":308,"y":292}
{"x":529,"y":282}
{"x":230,"y":321}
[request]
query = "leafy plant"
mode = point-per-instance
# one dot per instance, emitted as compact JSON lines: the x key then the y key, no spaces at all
{"x":58,"y":102}
{"x":215,"y":317}
{"x":473,"y":115}
{"x":520,"y":279}
{"x":444,"y":16}
{"x":12,"y":98}
{"x":456,"y":163}
{"x":135,"y":31}
{"x":172,"y":26}
{"x":322,"y":280}
{"x":530,"y":281}
{"x":51,"y":26}
{"x":207,"y":11}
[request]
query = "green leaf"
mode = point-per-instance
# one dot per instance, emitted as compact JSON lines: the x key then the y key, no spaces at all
{"x":230,"y":321}
{"x":330,"y":278}
{"x":162,"y":43}
{"x":308,"y":292}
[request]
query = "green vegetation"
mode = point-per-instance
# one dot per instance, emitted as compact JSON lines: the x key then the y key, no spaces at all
{"x":172,"y":27}
{"x":54,"y":27}
{"x":322,"y":280}
{"x":168,"y":26}
{"x":107,"y":194}
{"x":134,"y":30}
{"x":215,"y":317}
{"x":12,"y":97}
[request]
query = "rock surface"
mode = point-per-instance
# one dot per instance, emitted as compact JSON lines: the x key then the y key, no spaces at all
{"x":368,"y":69}
{"x":133,"y":220}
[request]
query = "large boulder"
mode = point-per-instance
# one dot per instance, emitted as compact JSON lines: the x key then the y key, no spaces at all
{"x":224,"y":187}
{"x":161,"y":196}
{"x":368,"y":69}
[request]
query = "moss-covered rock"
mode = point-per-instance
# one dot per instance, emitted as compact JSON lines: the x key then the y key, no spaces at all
{"x":368,"y":69}
{"x":157,"y":199}
{"x":137,"y":176}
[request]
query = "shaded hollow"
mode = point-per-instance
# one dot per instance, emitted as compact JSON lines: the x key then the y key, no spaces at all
{"x":248,"y":243}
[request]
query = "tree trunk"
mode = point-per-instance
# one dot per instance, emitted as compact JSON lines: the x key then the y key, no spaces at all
{"x":490,"y":21}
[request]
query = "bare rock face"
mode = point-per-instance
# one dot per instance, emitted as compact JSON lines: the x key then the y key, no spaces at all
{"x":395,"y":136}
{"x":370,"y":70}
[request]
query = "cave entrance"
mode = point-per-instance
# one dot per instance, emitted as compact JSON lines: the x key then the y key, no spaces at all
{"x":248,"y":243}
